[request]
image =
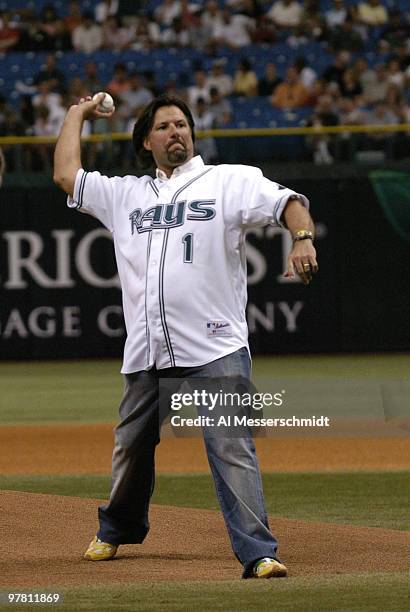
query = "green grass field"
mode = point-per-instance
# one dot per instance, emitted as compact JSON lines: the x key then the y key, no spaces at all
{"x":89,"y":391}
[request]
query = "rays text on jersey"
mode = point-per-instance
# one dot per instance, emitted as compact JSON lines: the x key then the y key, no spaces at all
{"x":166,"y":216}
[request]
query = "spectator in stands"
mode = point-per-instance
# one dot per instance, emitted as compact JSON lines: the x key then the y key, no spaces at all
{"x":381,"y":141}
{"x":395,"y":33}
{"x":319,"y":88}
{"x":350,"y":86}
{"x":104,"y":10}
{"x":220,"y":79}
{"x":201,"y":36}
{"x":291,"y":93}
{"x":87,"y":37}
{"x":91,"y":81}
{"x":336,"y":15}
{"x":376,"y":90}
{"x":204,"y":120}
{"x":189,"y":14}
{"x":56,"y":37}
{"x":394,"y":98}
{"x":245,"y":81}
{"x":120,"y":81}
{"x":176,"y":35}
{"x":115,"y":35}
{"x":151,"y":83}
{"x":345,"y":37}
{"x":32,"y":38}
{"x":394,"y":74}
{"x":166,"y":12}
{"x":43,"y":126}
{"x":50,"y":73}
{"x":324,"y":115}
{"x":77,"y":89}
{"x":134,"y":98}
{"x":372,"y":13}
{"x":270,"y":80}
{"x":199,"y":89}
{"x":313,"y":21}
{"x":211,"y":17}
{"x":9,"y":34}
{"x":334,"y":72}
{"x":73,"y":18}
{"x":46,"y":97}
{"x":306,"y":74}
{"x":235,"y":30}
{"x":265,"y":31}
{"x":402,"y":52}
{"x":220,"y":108}
{"x":350,"y":113}
{"x":147,"y":33}
{"x":285,"y":13}
{"x":363,"y":73}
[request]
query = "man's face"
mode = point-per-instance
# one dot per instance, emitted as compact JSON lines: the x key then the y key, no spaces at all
{"x":170,"y":139}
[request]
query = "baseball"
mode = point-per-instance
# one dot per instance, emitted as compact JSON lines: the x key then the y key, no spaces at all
{"x":107,"y":104}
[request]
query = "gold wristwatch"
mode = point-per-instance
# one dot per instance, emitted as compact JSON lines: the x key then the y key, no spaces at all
{"x":303,"y":235}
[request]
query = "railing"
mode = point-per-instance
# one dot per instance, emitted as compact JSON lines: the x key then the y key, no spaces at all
{"x":40,"y":142}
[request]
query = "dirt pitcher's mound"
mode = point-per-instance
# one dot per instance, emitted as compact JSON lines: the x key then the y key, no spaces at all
{"x":44,"y":536}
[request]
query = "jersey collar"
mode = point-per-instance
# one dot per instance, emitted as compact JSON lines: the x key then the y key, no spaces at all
{"x":194,"y":164}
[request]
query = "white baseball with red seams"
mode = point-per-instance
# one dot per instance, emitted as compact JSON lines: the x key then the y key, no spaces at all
{"x":106,"y":104}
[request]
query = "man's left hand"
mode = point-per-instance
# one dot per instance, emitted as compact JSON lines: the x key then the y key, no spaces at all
{"x":302,"y":260}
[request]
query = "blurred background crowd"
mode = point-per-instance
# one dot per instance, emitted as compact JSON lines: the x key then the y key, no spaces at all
{"x":239,"y":63}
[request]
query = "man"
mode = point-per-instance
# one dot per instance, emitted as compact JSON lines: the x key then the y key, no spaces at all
{"x":291,"y":93}
{"x":180,"y":248}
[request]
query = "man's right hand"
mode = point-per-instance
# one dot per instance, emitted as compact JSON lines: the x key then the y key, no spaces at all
{"x":89,"y":108}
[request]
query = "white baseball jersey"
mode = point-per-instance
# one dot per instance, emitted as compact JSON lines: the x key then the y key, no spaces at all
{"x":180,"y":250}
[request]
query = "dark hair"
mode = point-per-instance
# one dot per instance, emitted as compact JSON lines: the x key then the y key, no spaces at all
{"x":145,"y":121}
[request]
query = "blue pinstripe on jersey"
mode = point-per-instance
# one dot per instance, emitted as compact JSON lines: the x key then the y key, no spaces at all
{"x":161,"y":271}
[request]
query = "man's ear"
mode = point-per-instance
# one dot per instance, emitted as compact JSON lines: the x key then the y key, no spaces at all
{"x":146,"y":144}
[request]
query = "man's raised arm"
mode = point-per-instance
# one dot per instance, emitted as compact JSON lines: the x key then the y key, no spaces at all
{"x":67,"y":155}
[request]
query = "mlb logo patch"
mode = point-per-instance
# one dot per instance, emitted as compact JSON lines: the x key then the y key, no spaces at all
{"x":218,"y":328}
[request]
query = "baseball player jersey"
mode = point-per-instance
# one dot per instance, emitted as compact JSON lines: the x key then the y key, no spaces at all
{"x":180,"y":251}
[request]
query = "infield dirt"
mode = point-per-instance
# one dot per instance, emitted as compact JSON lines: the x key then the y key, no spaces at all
{"x":87,"y":449}
{"x":184,"y":544}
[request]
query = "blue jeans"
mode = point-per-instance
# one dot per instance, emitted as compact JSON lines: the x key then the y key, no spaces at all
{"x":233,"y":463}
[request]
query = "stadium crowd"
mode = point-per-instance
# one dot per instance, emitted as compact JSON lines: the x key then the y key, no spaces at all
{"x":349,"y":90}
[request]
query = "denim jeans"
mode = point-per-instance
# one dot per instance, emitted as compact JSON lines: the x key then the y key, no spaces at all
{"x":233,"y":463}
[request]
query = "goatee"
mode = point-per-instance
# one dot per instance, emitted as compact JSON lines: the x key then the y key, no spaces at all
{"x":179,"y":156}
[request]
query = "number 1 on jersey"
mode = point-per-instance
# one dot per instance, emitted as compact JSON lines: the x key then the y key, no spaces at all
{"x":188,"y":242}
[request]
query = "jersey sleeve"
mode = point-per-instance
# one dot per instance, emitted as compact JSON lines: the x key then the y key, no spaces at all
{"x":264,"y":200}
{"x":94,"y":194}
